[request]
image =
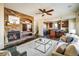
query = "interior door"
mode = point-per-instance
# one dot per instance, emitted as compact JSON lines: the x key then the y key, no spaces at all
{"x":24,"y":27}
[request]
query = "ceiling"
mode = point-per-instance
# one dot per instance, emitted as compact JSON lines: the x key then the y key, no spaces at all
{"x":60,"y":9}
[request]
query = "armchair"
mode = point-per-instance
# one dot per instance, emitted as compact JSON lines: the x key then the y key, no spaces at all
{"x":14,"y":52}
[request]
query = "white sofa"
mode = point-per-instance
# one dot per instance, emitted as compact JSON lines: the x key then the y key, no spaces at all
{"x":75,"y":43}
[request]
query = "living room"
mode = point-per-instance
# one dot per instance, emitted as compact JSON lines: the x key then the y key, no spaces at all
{"x":40,"y":29}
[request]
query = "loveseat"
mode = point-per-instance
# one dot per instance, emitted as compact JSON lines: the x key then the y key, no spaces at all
{"x":68,"y":48}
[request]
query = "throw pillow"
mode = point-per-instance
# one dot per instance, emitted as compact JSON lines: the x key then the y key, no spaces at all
{"x":70,"y":51}
{"x":63,"y":38}
{"x":61,"y":49}
{"x":70,"y":39}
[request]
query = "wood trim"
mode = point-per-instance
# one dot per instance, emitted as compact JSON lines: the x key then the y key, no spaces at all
{"x":8,"y":11}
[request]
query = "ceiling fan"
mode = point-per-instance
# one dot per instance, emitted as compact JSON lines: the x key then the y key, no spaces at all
{"x":44,"y":11}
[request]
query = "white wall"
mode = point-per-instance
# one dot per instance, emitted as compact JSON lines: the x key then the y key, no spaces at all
{"x":40,"y":25}
{"x":1,"y":26}
{"x":38,"y":21}
{"x":72,"y":25}
{"x":77,"y":24}
{"x":35,"y":24}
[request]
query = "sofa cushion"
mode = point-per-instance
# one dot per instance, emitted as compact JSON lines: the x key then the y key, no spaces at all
{"x":70,"y":39}
{"x":70,"y":51}
{"x":56,"y":54}
{"x":61,"y":49}
{"x":63,"y":38}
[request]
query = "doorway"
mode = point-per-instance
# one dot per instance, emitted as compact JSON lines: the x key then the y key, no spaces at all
{"x":24,"y":27}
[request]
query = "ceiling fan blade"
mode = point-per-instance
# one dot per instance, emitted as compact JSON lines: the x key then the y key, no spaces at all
{"x":41,"y":10}
{"x":44,"y":10}
{"x":48,"y":13}
{"x":38,"y":13}
{"x":50,"y":10}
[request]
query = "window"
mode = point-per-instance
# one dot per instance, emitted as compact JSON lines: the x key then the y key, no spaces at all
{"x":14,"y":20}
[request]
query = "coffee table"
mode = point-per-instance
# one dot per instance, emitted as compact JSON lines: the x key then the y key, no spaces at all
{"x":43,"y":44}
